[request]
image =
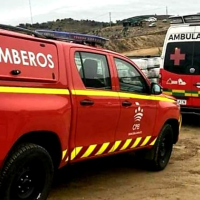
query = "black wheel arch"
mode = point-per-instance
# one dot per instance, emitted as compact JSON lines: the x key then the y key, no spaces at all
{"x":46,"y":139}
{"x":148,"y":155}
{"x":175,"y":127}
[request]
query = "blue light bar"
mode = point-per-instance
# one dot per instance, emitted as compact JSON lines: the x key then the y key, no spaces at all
{"x":74,"y":37}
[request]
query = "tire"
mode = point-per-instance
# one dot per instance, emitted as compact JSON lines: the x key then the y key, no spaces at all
{"x":162,"y":149}
{"x":27,"y":174}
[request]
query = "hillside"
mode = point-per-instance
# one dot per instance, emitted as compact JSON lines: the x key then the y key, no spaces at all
{"x":132,"y":41}
{"x":138,"y":40}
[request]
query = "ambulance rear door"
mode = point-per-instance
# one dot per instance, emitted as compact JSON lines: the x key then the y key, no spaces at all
{"x":178,"y":69}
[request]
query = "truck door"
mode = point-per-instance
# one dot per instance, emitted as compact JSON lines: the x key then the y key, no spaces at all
{"x":97,"y":104}
{"x":138,"y":110}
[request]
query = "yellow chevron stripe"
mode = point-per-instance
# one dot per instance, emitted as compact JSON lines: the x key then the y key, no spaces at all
{"x":115,"y":146}
{"x":145,"y":141}
{"x":64,"y":154}
{"x":137,"y":141}
{"x":126,"y":144}
{"x":30,"y":90}
{"x":153,"y":142}
{"x":75,"y":152}
{"x":89,"y":151}
{"x":103,"y":148}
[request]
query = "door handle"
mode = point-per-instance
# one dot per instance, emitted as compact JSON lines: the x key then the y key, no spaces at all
{"x":126,"y":103}
{"x":86,"y":102}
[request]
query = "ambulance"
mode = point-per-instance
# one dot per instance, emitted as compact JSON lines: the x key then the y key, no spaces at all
{"x":180,"y":62}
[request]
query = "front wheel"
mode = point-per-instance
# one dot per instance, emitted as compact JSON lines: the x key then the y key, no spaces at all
{"x":162,"y":149}
{"x":27,"y":174}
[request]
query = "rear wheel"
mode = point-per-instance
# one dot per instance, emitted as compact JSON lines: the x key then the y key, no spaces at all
{"x":162,"y":149}
{"x":27,"y":174}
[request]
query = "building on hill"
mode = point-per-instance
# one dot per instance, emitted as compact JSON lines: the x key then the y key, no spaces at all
{"x":140,"y":20}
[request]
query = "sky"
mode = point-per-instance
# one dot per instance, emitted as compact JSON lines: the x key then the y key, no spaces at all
{"x":14,"y":12}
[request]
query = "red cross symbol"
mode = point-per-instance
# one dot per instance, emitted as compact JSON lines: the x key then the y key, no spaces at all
{"x":177,"y":56}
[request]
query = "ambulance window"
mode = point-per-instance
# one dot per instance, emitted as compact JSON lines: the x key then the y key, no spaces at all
{"x":179,"y":57}
{"x":130,"y":79}
{"x":93,"y":70}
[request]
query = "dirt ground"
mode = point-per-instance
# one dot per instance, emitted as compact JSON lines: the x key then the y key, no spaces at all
{"x":122,"y":178}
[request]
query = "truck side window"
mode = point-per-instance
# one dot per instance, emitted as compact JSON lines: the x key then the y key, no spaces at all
{"x":130,"y":80}
{"x":93,"y":70}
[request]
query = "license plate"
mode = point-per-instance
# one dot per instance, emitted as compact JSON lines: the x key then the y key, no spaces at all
{"x":182,"y":101}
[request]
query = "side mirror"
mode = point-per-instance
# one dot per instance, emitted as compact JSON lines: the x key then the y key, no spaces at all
{"x":156,"y":89}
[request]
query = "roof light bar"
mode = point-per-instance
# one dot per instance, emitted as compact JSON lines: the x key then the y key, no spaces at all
{"x":74,"y":37}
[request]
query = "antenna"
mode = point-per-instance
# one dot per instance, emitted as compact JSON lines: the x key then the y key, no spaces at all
{"x":110,"y":19}
{"x":21,"y":30}
{"x":31,"y":12}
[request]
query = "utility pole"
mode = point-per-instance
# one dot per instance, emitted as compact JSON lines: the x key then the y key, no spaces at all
{"x":110,"y":19}
{"x":31,"y":12}
{"x":166,"y":10}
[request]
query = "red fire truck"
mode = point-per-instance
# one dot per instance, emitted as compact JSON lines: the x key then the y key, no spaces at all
{"x":63,"y":102}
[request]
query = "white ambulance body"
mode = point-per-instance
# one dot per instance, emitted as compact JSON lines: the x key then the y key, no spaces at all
{"x":180,"y":62}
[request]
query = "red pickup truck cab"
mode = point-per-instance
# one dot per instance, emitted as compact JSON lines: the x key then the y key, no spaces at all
{"x":63,"y":102}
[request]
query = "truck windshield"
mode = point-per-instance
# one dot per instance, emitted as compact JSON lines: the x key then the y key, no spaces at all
{"x":183,"y":58}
